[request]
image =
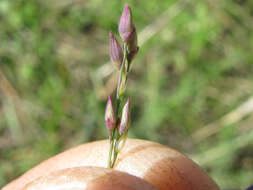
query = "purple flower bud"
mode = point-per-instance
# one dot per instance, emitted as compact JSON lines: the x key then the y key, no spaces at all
{"x":116,"y":53}
{"x":110,"y":117}
{"x":125,"y":119}
{"x":132,"y":46}
{"x":126,"y":25}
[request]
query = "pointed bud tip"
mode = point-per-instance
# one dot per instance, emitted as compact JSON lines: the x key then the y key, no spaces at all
{"x":125,"y":118}
{"x":126,"y":25}
{"x":109,"y":100}
{"x":109,"y":106}
{"x":127,"y":105}
{"x":128,"y":101}
{"x":111,"y":34}
{"x":127,"y":7}
{"x":110,"y":118}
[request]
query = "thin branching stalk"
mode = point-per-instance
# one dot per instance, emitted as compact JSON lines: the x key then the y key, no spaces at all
{"x":115,"y":136}
{"x":118,"y":122}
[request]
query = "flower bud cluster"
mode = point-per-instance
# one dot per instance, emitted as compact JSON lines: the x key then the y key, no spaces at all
{"x":127,"y":32}
{"x":111,"y":118}
{"x":118,"y":121}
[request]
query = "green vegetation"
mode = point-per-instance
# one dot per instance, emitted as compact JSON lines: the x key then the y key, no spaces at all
{"x":192,"y":73}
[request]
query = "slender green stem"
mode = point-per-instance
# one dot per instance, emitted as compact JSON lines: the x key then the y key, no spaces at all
{"x":121,"y":71}
{"x":109,"y":164}
{"x":110,"y":154}
{"x":115,"y":136}
{"x":115,"y":152}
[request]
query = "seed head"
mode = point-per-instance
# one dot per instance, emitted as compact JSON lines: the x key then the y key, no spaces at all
{"x":110,"y":117}
{"x":126,"y":25}
{"x":125,"y":119}
{"x":116,"y":53}
{"x":132,"y":46}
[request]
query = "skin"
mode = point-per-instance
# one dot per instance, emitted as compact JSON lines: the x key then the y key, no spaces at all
{"x":89,"y":178}
{"x":157,"y":164}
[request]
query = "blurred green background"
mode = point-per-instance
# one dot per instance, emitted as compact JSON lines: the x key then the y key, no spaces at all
{"x":190,"y":85}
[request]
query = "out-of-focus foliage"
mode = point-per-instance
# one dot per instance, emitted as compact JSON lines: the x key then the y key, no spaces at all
{"x":191,"y":72}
